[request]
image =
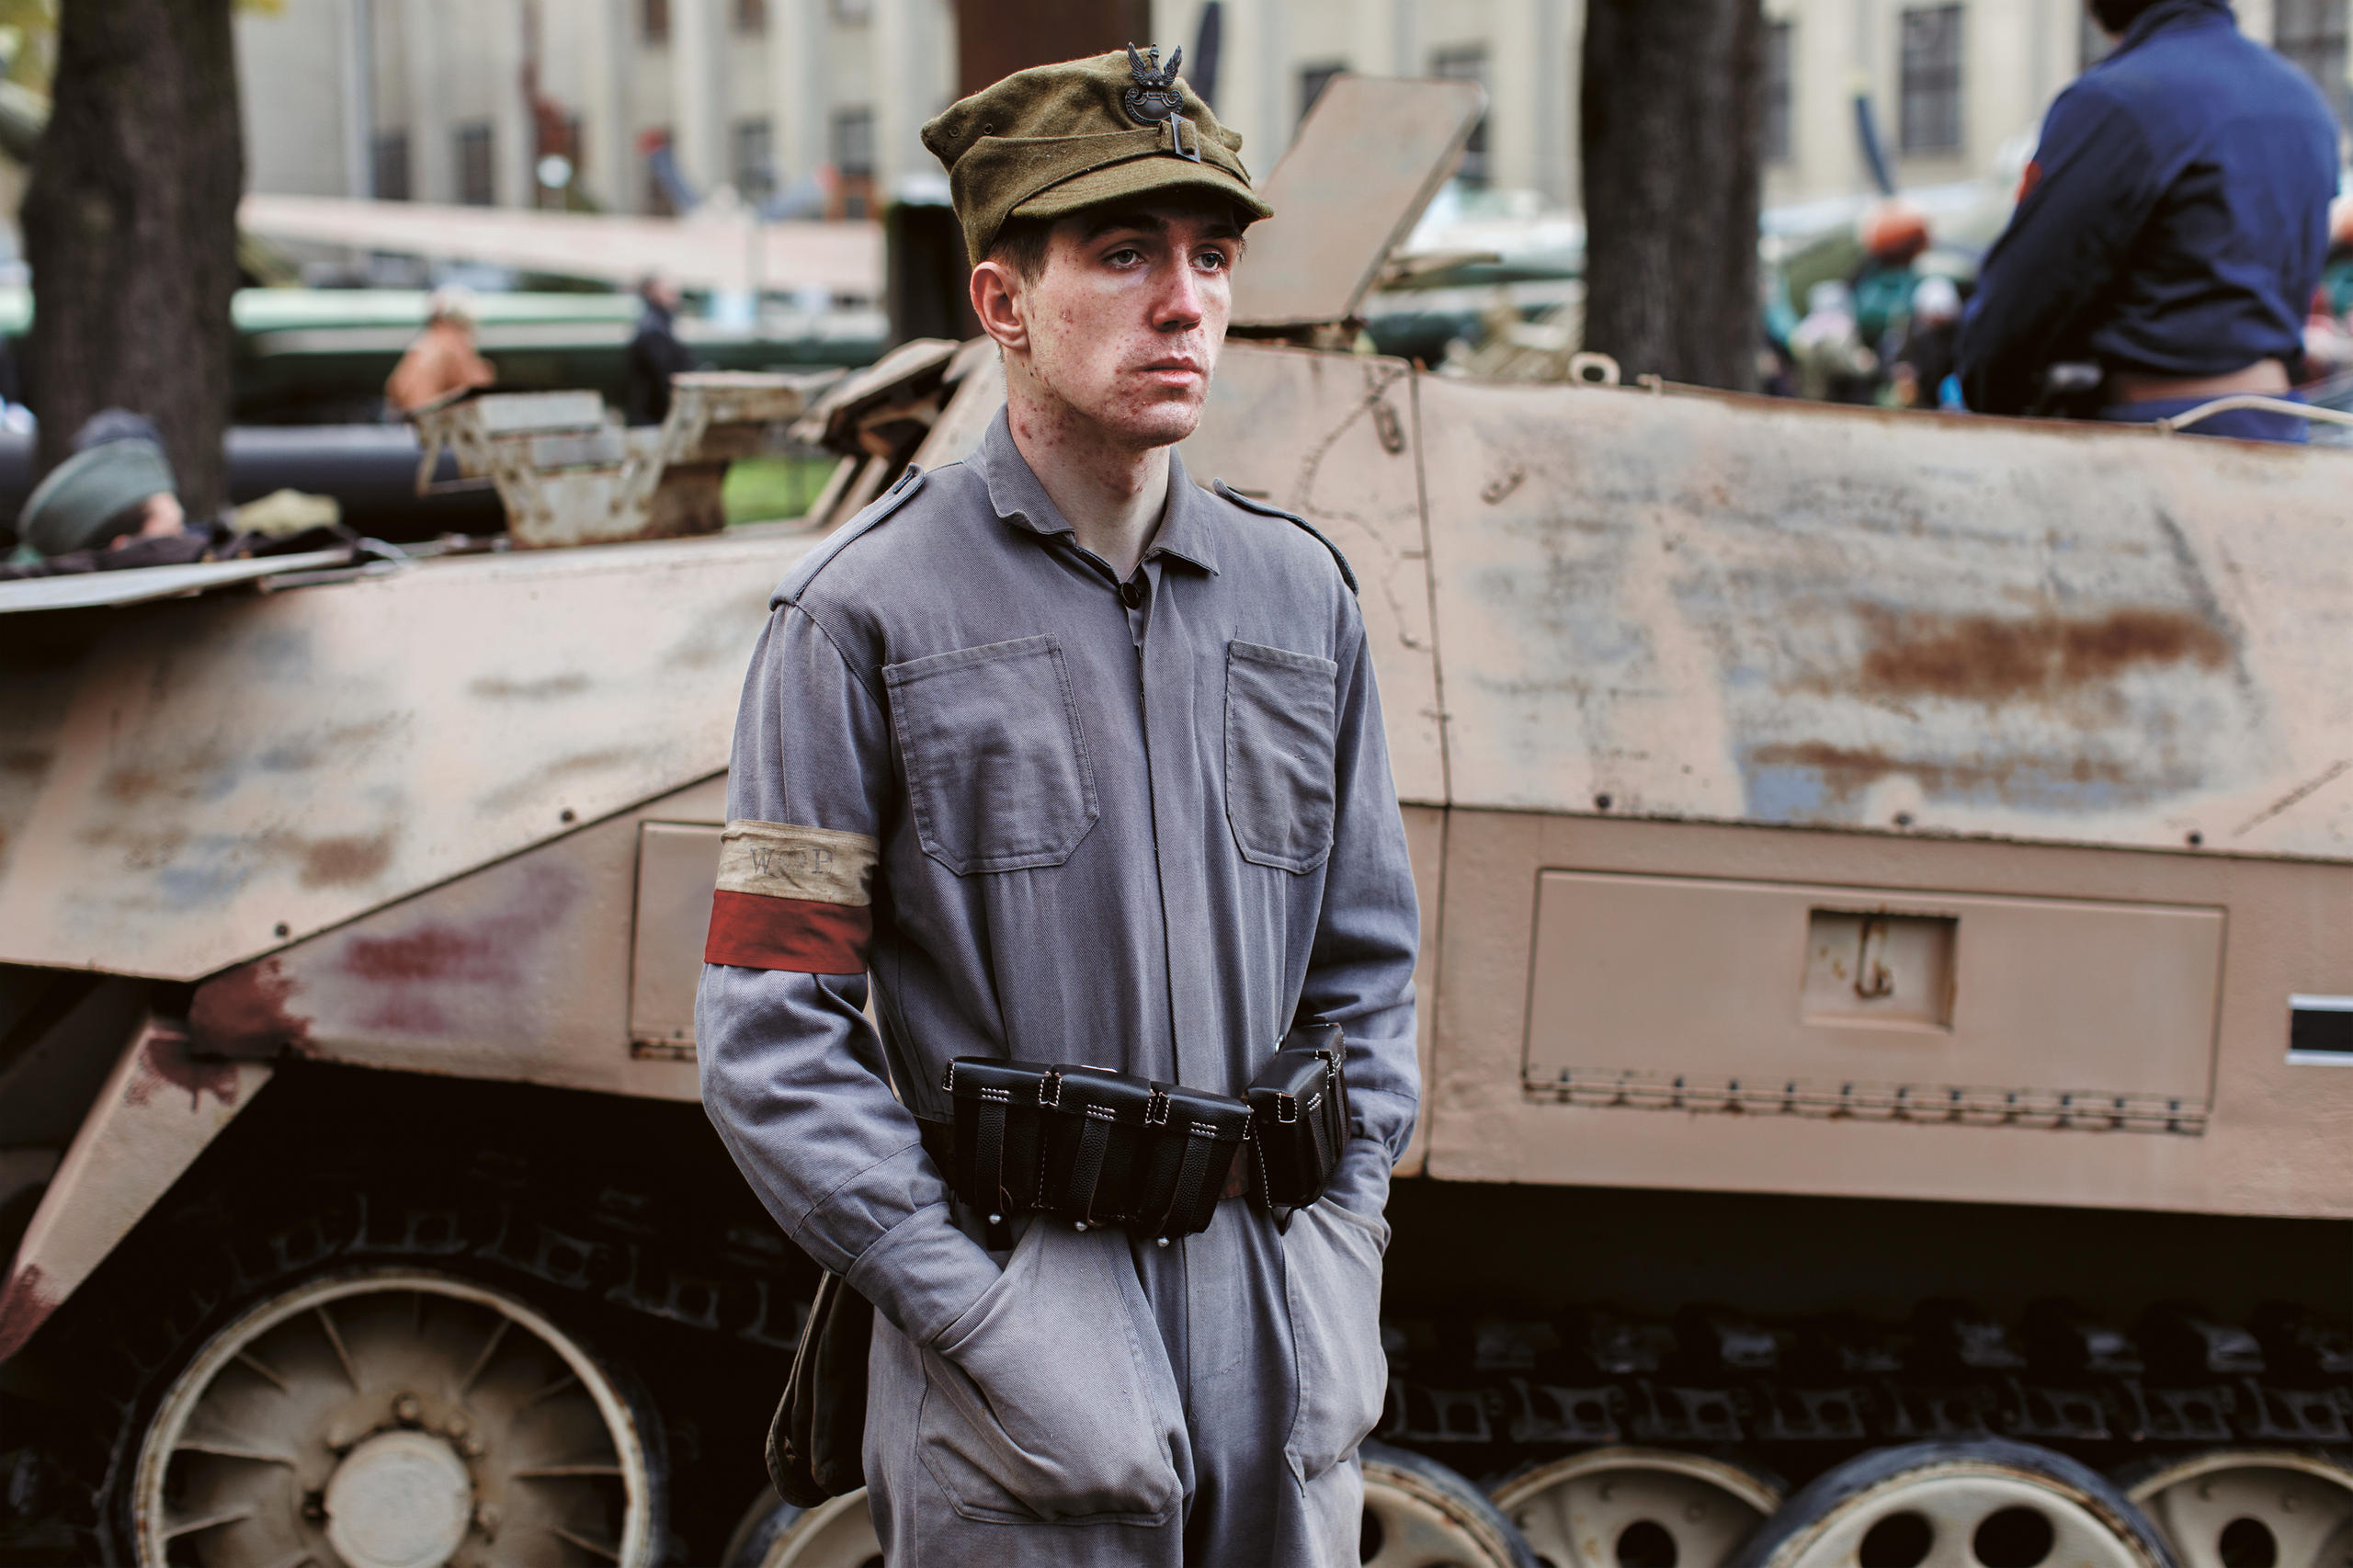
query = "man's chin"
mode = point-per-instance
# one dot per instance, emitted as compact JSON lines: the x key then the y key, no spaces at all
{"x":1159,"y":424}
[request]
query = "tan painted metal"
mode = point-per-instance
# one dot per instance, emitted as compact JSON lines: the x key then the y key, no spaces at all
{"x":1706,"y":606}
{"x":524,"y":971}
{"x":207,"y":782}
{"x":2273,"y":1143}
{"x":1701,"y":993}
{"x":1367,"y":160}
{"x":156,"y":1112}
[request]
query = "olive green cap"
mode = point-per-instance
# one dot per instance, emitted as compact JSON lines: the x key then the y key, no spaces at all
{"x":1053,"y":139}
{"x":67,"y":509}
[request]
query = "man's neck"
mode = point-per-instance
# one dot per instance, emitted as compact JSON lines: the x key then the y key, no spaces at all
{"x":1111,"y":495}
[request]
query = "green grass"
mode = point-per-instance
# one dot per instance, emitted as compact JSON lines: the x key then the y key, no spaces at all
{"x":758,"y":489}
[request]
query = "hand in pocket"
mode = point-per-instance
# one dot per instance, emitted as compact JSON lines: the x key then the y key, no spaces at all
{"x":1052,"y":1397}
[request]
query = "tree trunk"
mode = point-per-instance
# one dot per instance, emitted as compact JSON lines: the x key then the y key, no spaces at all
{"x":996,"y":38}
{"x":130,"y":227}
{"x":1672,"y":122}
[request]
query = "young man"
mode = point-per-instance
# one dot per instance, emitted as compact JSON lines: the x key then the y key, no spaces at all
{"x":1084,"y":764}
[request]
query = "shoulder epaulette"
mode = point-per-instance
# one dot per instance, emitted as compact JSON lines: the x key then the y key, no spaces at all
{"x":1267,"y":509}
{"x":901,"y":492}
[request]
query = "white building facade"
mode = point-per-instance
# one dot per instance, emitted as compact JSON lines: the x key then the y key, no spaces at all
{"x":461,"y":100}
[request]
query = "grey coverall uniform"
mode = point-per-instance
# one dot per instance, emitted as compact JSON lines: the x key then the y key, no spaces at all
{"x":1063,"y":818}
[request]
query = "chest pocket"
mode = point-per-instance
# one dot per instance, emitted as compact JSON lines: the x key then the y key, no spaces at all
{"x":997,"y":773}
{"x":1282,"y":709}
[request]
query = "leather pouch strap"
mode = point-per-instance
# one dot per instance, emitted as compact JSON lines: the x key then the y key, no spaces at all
{"x":1086,"y":1171}
{"x":988,"y":1157}
{"x":1192,"y":1175}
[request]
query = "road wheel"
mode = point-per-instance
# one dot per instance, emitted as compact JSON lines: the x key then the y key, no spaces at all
{"x":1625,"y":1507}
{"x":838,"y":1533}
{"x":1988,"y":1504}
{"x":2250,"y":1508}
{"x":1419,"y":1514}
{"x":393,"y":1418}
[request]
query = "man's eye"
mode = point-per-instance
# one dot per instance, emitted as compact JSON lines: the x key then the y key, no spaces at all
{"x":1126,"y":255}
{"x":1211,"y":260}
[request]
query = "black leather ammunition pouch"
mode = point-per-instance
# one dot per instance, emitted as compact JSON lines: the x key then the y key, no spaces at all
{"x":1102,"y":1148}
{"x":1299,"y":1107}
{"x":1090,"y":1145}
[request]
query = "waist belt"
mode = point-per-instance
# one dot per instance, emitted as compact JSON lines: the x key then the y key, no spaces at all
{"x":1103,"y":1148}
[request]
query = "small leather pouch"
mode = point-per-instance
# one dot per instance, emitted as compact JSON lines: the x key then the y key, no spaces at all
{"x":1001,"y":1114}
{"x":1299,"y":1104}
{"x":1201,"y":1136}
{"x":1100,"y":1139}
{"x":815,"y":1443}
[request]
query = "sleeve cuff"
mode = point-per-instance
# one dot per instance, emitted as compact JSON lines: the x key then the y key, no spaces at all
{"x":1384,"y":1116}
{"x":923,"y":1273}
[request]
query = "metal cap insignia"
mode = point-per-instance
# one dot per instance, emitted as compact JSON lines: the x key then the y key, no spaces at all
{"x":1154,"y":98}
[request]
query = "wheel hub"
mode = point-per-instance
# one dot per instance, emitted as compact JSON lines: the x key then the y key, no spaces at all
{"x":399,"y":1500}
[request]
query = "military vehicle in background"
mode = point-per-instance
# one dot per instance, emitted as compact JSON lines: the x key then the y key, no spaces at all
{"x":1887,"y":990}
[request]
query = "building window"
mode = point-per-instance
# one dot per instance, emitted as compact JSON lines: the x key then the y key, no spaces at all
{"x":1776,"y":92}
{"x":477,"y":181}
{"x":755,"y":161}
{"x":1931,"y":83}
{"x":1312,"y":80}
{"x":1467,"y":64}
{"x":654,"y":20}
{"x":2310,"y":33}
{"x":751,"y":18}
{"x":388,"y":167}
{"x":850,"y":141}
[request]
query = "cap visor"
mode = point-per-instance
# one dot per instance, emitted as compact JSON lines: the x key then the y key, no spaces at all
{"x":1139,"y":177}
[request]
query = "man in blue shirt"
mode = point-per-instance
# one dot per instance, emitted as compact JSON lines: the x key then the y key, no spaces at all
{"x":2171,"y":228}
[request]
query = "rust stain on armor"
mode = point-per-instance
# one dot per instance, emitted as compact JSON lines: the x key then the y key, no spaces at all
{"x":25,"y":1305}
{"x":1848,"y":771}
{"x":244,"y":1013}
{"x":164,"y":1062}
{"x":1992,"y":659}
{"x":345,"y":861}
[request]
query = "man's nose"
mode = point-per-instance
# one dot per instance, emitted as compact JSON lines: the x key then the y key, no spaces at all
{"x":1176,"y":307}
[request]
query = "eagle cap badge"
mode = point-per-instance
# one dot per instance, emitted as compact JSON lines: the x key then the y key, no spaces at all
{"x":1155,"y":96}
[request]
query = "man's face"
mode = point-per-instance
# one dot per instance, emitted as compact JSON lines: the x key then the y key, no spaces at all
{"x":1126,"y":320}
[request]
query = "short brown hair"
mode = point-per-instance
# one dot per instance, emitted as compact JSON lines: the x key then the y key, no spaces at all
{"x":1021,"y":244}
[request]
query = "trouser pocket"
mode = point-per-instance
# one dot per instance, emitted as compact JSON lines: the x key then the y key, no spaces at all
{"x":1052,"y":1397}
{"x":1332,"y":1289}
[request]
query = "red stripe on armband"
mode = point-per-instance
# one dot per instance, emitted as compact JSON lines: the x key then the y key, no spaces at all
{"x":752,"y":931}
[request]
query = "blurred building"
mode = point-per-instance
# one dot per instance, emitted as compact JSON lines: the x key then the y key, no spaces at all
{"x":468,"y":100}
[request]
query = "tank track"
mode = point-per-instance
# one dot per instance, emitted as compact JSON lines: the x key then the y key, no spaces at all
{"x":1792,"y":1397}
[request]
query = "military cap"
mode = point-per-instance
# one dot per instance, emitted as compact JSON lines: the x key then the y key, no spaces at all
{"x":1053,"y":139}
{"x":69,"y":509}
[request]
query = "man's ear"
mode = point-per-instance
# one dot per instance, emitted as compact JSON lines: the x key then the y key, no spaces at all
{"x":997,"y":301}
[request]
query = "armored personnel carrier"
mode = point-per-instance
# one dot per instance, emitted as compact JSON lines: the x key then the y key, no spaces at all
{"x":1887,"y":1000}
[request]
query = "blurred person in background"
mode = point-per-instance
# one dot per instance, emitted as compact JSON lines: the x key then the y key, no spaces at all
{"x":655,"y":354}
{"x":1834,"y":365}
{"x":1925,"y":362}
{"x":2171,"y":230}
{"x":1895,"y":233}
{"x":111,"y":504}
{"x":443,"y":360}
